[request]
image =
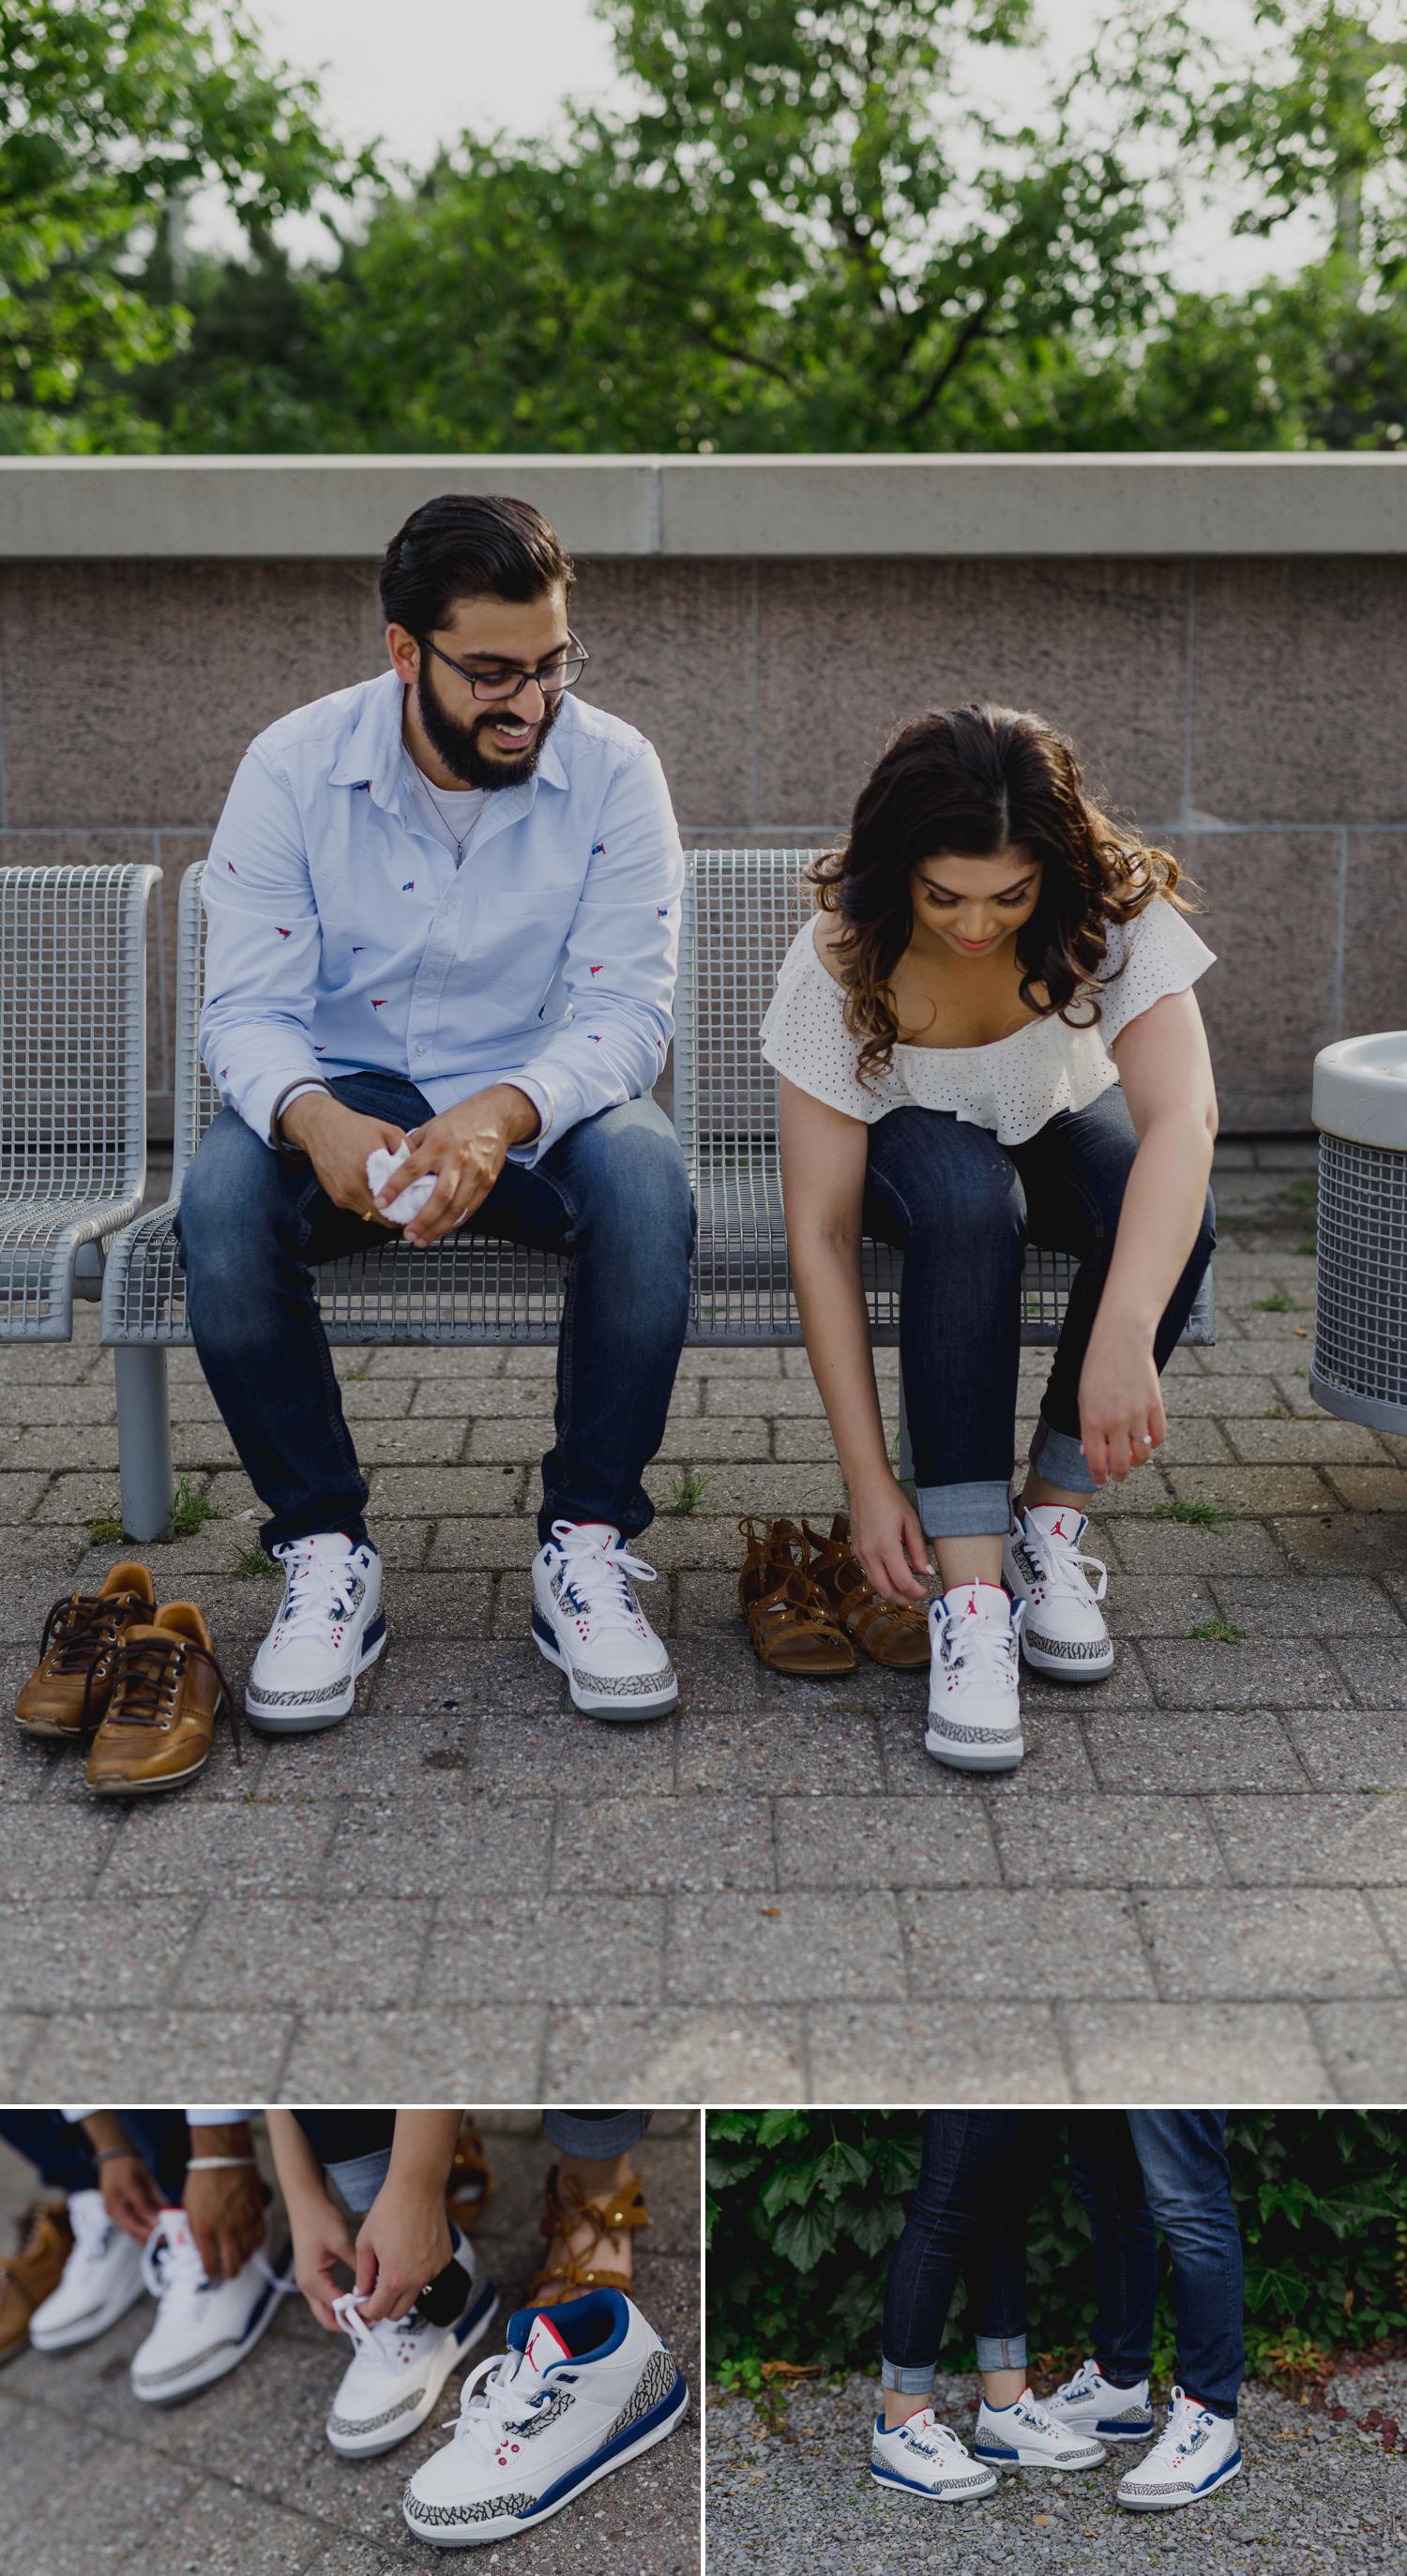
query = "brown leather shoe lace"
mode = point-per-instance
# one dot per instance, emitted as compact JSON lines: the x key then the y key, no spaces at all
{"x":84,"y":1628}
{"x":565,"y":2210}
{"x":148,"y":1684}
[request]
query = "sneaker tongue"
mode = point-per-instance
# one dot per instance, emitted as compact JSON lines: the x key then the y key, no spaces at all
{"x":1059,"y":1520}
{"x":601,"y":1533}
{"x":543,"y":2346}
{"x":987,"y":1603}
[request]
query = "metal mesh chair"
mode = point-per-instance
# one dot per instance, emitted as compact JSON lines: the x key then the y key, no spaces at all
{"x":742,"y":908}
{"x":72,"y":1083}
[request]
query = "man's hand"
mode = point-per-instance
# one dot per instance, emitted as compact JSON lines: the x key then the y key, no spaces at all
{"x":467,"y":1147}
{"x":225,"y":2209}
{"x":404,"y":2242}
{"x":322,"y":2244}
{"x":337,"y":1141}
{"x":130,"y":2196}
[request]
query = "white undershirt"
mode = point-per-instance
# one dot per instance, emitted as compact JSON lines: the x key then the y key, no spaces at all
{"x":452,"y":812}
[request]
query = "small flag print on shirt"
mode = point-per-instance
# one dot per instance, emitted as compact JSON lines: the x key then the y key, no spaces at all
{"x":283,"y":934}
{"x":381,"y":1004}
{"x":409,"y":886}
{"x":598,"y":849}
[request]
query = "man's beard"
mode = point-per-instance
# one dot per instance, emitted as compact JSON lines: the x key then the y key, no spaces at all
{"x":458,"y":744}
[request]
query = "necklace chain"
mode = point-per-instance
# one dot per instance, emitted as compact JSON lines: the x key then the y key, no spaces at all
{"x":459,"y":840}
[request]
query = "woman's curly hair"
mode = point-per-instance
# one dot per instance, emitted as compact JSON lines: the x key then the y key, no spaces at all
{"x":969,"y":782}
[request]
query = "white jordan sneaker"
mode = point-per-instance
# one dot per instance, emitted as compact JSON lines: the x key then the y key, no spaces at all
{"x":1026,"y":2436}
{"x":203,"y":2328}
{"x":1063,"y":1631}
{"x":926,"y":2459}
{"x":396,"y":2372}
{"x":1090,"y":2403}
{"x":974,"y":1687}
{"x":582,"y":2389}
{"x":329,"y":1627}
{"x":1196,"y":2453}
{"x":587,"y":1619}
{"x":101,"y":2280}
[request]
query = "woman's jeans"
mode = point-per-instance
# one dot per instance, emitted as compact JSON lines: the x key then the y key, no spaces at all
{"x":1135,"y":2172}
{"x":967,"y":2216}
{"x":354,"y":2147}
{"x":962,"y":1208}
{"x":613,"y":1196}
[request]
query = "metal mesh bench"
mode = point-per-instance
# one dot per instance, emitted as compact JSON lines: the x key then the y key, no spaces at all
{"x":73,"y":1036}
{"x":742,"y":908}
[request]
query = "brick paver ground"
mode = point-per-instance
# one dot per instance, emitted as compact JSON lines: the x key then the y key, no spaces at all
{"x":240,"y":2481}
{"x":1197,"y":1883}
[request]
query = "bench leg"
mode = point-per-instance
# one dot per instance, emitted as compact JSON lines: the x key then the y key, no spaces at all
{"x":143,"y":1439}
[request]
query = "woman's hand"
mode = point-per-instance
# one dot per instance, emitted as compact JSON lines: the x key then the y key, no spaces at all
{"x":1122,"y":1420}
{"x":403,"y":2243}
{"x":887,"y":1536}
{"x":322,"y":2241}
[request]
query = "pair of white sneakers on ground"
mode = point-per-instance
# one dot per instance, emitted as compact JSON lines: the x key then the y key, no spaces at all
{"x":1046,"y":1607}
{"x":586,"y":1619}
{"x":1196,"y":2453}
{"x":202,"y":2328}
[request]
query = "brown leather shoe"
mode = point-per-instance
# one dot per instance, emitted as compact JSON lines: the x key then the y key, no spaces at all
{"x":166,"y":1695}
{"x":28,"y":2278}
{"x":71,"y":1683}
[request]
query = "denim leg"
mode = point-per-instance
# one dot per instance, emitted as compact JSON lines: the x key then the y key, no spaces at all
{"x":163,"y":2141}
{"x":253,"y":1226}
{"x":57,"y":2148}
{"x":595,"y":2133}
{"x":1108,"y":2181}
{"x":964,"y":2217}
{"x":1188,"y":2183}
{"x":613,"y":1197}
{"x":1075,"y":1173}
{"x":950,"y":1197}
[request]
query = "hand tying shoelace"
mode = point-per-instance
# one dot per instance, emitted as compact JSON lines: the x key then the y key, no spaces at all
{"x":384,"y":2335}
{"x":598,"y":1578}
{"x":172,"y":2270}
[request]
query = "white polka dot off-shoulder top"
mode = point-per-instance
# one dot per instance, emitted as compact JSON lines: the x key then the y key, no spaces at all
{"x":1012,"y":1086}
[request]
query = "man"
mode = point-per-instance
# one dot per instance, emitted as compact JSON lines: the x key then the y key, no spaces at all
{"x":443,"y":911}
{"x":155,"y":2200}
{"x":1136,"y":2172}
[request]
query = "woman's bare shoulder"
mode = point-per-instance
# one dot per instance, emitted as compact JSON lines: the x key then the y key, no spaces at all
{"x":827,"y":932}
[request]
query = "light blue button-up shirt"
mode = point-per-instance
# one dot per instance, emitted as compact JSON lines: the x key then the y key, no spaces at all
{"x":342,"y":936}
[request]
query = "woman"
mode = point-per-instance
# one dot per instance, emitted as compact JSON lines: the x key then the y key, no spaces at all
{"x":967,"y":2215}
{"x":986,"y":1034}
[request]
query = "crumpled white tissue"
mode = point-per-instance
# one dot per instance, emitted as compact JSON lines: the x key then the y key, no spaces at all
{"x":381,"y":1167}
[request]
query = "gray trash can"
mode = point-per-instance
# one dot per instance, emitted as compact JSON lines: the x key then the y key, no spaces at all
{"x":1360,"y":1336}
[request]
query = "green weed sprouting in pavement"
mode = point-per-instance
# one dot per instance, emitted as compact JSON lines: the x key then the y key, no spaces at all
{"x":1218,"y":1632}
{"x":1277,"y":1303}
{"x":253,"y":1566}
{"x":1197,"y":1515}
{"x":686,"y":1492}
{"x":189,"y":1512}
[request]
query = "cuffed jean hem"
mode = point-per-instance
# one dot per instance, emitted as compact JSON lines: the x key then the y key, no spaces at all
{"x":576,"y":2133}
{"x":907,"y":2378}
{"x":964,"y":1511}
{"x":1001,"y":2352}
{"x":1058,"y":1456}
{"x":359,"y":2179}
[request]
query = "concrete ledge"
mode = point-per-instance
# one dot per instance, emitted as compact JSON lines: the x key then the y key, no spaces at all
{"x":275,"y":508}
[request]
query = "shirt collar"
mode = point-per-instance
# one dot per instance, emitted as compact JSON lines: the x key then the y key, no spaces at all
{"x":373,"y":753}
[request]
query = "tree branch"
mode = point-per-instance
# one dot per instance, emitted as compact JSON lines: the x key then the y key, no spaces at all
{"x":970,"y":333}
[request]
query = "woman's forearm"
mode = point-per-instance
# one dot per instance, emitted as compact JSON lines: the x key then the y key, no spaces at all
{"x":1158,"y":1224}
{"x":422,"y":2150}
{"x":830,"y":1300}
{"x":300,"y":2176}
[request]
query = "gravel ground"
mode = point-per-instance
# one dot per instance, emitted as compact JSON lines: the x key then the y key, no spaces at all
{"x":1315,"y":2494}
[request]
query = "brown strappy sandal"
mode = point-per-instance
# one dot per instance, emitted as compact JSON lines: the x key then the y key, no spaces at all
{"x":470,"y":2186}
{"x":894,"y":1633}
{"x":565,"y":2208}
{"x":791,"y":1623}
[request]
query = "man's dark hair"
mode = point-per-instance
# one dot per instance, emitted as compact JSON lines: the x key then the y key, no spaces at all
{"x":469,"y":546}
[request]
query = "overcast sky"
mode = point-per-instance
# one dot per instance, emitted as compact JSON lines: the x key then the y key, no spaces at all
{"x":416,"y":73}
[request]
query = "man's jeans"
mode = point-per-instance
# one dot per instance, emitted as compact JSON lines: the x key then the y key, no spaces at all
{"x":962,"y":1208}
{"x":613,"y":1195}
{"x":967,"y":2216}
{"x":59,"y":2149}
{"x":1138,"y":2171}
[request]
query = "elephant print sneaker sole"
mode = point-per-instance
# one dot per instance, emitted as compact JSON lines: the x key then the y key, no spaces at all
{"x":587,"y":1620}
{"x":582,"y":2390}
{"x":925,"y":2458}
{"x":329,"y":1627}
{"x":393,"y":2381}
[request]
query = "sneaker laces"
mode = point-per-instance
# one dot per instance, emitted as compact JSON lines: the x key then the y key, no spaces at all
{"x":599,"y":1578}
{"x":1061,"y":1567}
{"x":924,"y":2433}
{"x":147,"y":1683}
{"x":80,"y":1625}
{"x":490,"y":2412}
{"x":1084,"y":2383}
{"x":1174,"y":2443}
{"x":91,"y":2225}
{"x":314,"y":1588}
{"x":987,"y":1650}
{"x":378,"y":2339}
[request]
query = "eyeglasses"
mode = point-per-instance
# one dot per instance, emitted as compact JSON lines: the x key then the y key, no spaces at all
{"x":552,"y":678}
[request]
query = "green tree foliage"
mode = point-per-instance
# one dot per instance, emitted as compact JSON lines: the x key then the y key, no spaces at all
{"x":803,"y":2207}
{"x":111,"y":111}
